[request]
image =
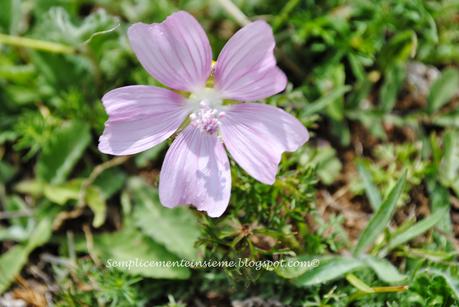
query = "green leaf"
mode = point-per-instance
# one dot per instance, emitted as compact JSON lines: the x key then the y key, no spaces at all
{"x":380,"y":218}
{"x":336,"y":74}
{"x":17,"y":73}
{"x":370,"y":189}
{"x":443,"y":89}
{"x":31,"y":187}
{"x":324,"y":101}
{"x":294,"y":271}
{"x":96,"y":201}
{"x":340,"y":129}
{"x":439,"y":201}
{"x":359,"y":284}
{"x":10,"y":15}
{"x":400,"y":47}
{"x":329,"y":269}
{"x":324,"y":159}
{"x":328,"y":165}
{"x":393,"y":82}
{"x":63,"y":152}
{"x":417,"y":229}
{"x":40,"y":235}
{"x":54,"y":69}
{"x":449,"y":167}
{"x":128,"y":246}
{"x":450,"y":119}
{"x":62,"y":193}
{"x":359,"y":93}
{"x":7,"y":136}
{"x":56,"y":25}
{"x":11,"y":264}
{"x":177,"y":229}
{"x":384,"y":269}
{"x":15,"y":258}
{"x":16,"y":204}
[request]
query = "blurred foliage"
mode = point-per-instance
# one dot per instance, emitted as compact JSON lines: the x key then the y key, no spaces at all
{"x":376,"y":83}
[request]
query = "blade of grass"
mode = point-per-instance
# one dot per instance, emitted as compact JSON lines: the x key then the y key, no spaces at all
{"x":284,"y":13}
{"x":443,"y":89}
{"x":415,"y":230}
{"x":323,"y":102}
{"x":370,"y":189}
{"x":380,"y":218}
{"x":328,"y":270}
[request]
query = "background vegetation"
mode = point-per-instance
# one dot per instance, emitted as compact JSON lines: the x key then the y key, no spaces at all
{"x":374,"y":195}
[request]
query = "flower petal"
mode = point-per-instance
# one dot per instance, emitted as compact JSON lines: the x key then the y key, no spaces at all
{"x":140,"y":117}
{"x":246,"y":68}
{"x":196,"y":171}
{"x":256,"y":135}
{"x":176,"y":52}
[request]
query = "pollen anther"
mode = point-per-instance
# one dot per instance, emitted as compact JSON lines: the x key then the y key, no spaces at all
{"x":206,"y":119}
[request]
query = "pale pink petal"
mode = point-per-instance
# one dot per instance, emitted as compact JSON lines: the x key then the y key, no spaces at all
{"x":246,"y":68}
{"x":140,"y":117}
{"x":196,"y":171}
{"x":176,"y":52}
{"x":256,"y":135}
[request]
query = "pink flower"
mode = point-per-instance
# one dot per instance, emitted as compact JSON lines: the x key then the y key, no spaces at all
{"x":196,"y":169}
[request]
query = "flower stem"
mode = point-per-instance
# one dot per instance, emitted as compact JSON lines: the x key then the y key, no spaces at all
{"x":35,"y":44}
{"x":234,"y":11}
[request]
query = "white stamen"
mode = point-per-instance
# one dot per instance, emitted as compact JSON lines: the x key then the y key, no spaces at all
{"x":206,"y":105}
{"x":206,"y":119}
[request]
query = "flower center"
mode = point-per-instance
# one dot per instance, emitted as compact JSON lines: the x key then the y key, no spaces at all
{"x":206,"y":119}
{"x":206,"y":107}
{"x":205,"y":96}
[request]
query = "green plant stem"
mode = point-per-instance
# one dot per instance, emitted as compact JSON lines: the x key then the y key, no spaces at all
{"x":99,"y":169}
{"x":35,"y":44}
{"x":235,"y":12}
